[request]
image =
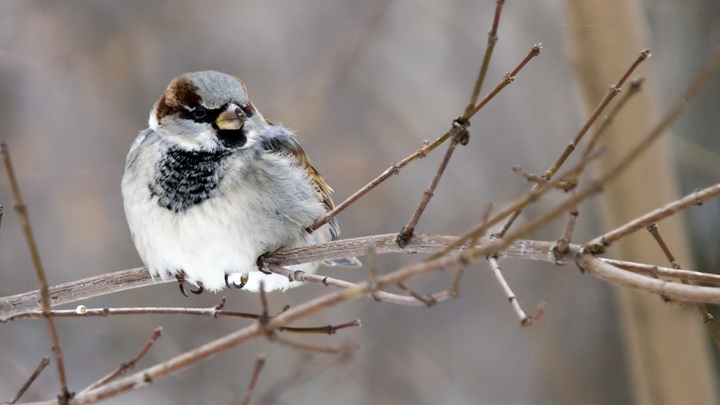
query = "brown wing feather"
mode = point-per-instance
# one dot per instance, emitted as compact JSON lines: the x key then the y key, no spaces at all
{"x":288,"y":144}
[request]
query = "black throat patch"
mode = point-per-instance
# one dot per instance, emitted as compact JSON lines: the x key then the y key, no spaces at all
{"x":184,"y":178}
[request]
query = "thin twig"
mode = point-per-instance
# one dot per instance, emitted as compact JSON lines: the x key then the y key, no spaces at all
{"x":505,"y":81}
{"x":427,"y":300}
{"x":509,"y":294}
{"x":704,"y":313}
{"x":426,"y":148}
{"x":299,"y":275}
{"x":455,"y":288}
{"x":601,"y":243}
{"x":635,"y":88}
{"x":492,"y":40}
{"x":306,"y":370}
{"x":264,"y":314}
{"x":566,"y":237}
{"x":532,"y":196}
{"x":666,"y":272}
{"x":124,"y":367}
{"x":597,"y":246}
{"x":406,"y":233}
{"x":315,"y":348}
{"x":463,"y":137}
{"x":81,"y":312}
{"x":612,"y":92}
{"x":21,"y":209}
{"x":328,"y":329}
{"x":2,"y":214}
{"x":259,"y":364}
{"x":43,"y":363}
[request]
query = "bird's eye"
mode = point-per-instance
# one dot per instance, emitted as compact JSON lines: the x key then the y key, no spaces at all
{"x":198,"y":112}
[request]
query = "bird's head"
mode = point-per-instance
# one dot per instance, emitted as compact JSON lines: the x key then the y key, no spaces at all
{"x":207,"y":110}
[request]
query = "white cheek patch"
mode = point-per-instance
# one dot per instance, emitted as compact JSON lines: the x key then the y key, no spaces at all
{"x":152,"y":121}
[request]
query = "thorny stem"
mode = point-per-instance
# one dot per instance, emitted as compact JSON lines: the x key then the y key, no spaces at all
{"x":453,"y":132}
{"x":704,"y":313}
{"x":21,"y":209}
{"x":611,"y":93}
{"x":43,"y":363}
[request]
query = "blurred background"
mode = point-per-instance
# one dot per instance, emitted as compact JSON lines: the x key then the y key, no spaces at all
{"x":363,"y":84}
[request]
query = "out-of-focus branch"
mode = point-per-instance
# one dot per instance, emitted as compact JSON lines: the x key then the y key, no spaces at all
{"x":43,"y":363}
{"x":21,"y":209}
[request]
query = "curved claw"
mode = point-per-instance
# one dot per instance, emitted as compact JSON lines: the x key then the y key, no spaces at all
{"x":243,"y":280}
{"x":198,"y":291}
{"x":182,"y":288}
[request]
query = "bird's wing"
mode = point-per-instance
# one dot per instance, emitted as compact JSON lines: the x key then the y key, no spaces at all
{"x":284,"y":142}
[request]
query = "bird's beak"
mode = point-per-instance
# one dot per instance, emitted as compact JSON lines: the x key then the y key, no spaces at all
{"x":232,"y":118}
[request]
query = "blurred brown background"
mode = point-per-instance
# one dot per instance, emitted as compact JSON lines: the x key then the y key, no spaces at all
{"x":363,"y":83}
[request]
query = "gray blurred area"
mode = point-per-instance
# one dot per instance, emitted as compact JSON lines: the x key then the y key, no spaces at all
{"x":363,"y":84}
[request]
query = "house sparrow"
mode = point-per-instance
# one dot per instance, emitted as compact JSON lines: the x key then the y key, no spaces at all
{"x":211,"y":186}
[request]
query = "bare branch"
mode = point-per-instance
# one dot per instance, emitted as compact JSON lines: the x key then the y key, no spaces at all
{"x":259,"y":364}
{"x":505,"y":81}
{"x":601,"y":243}
{"x":612,"y":92}
{"x":124,"y":367}
{"x":666,"y":272}
{"x":702,"y":309}
{"x":666,"y":289}
{"x":43,"y":363}
{"x":495,"y":269}
{"x":453,"y":132}
{"x":21,"y":209}
{"x":492,"y":40}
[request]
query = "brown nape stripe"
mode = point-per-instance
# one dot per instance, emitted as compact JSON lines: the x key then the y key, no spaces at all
{"x":180,"y":94}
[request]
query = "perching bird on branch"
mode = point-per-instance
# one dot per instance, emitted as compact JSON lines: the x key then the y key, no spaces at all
{"x":211,"y":186}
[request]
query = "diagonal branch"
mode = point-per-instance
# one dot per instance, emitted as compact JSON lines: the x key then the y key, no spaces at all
{"x":21,"y":209}
{"x":611,"y":93}
{"x":602,"y":242}
{"x":453,"y":132}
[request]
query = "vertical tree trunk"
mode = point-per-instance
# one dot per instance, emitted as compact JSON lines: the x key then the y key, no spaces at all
{"x":667,"y":347}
